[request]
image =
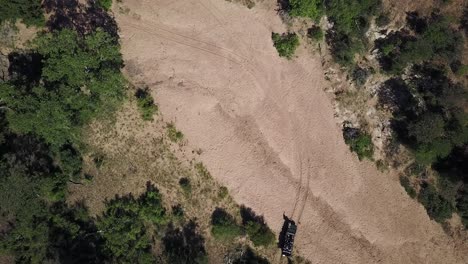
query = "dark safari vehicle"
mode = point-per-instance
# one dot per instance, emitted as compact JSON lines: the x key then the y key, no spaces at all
{"x":289,"y":239}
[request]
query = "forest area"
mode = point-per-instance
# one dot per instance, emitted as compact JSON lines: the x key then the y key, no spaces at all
{"x":68,"y":75}
{"x":423,"y":66}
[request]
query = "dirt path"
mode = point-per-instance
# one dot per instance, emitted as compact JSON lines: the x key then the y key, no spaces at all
{"x":267,"y":131}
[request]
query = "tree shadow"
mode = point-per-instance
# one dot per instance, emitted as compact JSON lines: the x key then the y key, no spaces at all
{"x":83,"y":245}
{"x":248,"y":215}
{"x":184,"y":245}
{"x":283,"y":5}
{"x":25,"y":69}
{"x":83,"y":19}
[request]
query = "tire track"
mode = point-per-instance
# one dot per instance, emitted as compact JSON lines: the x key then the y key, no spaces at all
{"x":170,"y":31}
{"x":299,"y":188}
{"x":178,"y":41}
{"x":306,"y":195}
{"x":211,"y":13}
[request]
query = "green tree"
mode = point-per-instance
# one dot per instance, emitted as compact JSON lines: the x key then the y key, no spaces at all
{"x":81,"y":79}
{"x":427,"y":128}
{"x":436,"y":206}
{"x":285,"y":44}
{"x":29,"y":11}
{"x":306,"y":8}
{"x":124,"y":232}
{"x":150,"y":205}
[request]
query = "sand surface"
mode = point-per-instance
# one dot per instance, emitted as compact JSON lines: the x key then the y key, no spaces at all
{"x":267,"y":131}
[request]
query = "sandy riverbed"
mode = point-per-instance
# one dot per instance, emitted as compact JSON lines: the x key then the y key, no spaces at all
{"x":267,"y":131}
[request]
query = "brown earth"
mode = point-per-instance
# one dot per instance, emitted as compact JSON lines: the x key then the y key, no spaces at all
{"x":267,"y":131}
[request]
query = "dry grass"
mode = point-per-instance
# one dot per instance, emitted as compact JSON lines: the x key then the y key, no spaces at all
{"x":125,"y":152}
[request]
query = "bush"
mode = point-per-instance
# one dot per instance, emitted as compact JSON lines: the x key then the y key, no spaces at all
{"x":306,"y":8}
{"x":224,"y":226}
{"x":343,"y":47}
{"x":259,"y":233}
{"x":185,"y":185}
{"x":436,"y":206}
{"x":315,"y":33}
{"x":104,"y":4}
{"x":405,"y":182}
{"x":360,"y":75}
{"x":174,"y":134}
{"x":360,"y":143}
{"x":223,"y":192}
{"x":285,"y":44}
{"x":382,"y":19}
{"x":350,"y":22}
{"x":146,"y":104}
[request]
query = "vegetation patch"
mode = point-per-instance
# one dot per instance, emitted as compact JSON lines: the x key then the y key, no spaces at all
{"x":256,"y":228}
{"x":405,"y":182}
{"x":146,"y":104}
{"x":350,"y":19}
{"x":315,"y":33}
{"x":436,"y":206}
{"x":432,"y":38}
{"x":173,"y":134}
{"x":185,"y":185}
{"x":285,"y":44}
{"x":104,"y":4}
{"x":29,"y":11}
{"x":359,"y":142}
{"x":224,"y":226}
{"x":306,"y":8}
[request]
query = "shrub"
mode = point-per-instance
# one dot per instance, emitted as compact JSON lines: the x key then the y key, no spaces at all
{"x":382,"y":19}
{"x":285,"y":44}
{"x":343,"y":47}
{"x":360,"y":143}
{"x":104,"y":4}
{"x":146,"y":104}
{"x":405,"y":182}
{"x":259,"y":233}
{"x":224,"y":226}
{"x":315,"y":33}
{"x":350,"y":22}
{"x":174,"y":134}
{"x":360,"y":75}
{"x":223,"y":192}
{"x":436,"y":206}
{"x":306,"y":8}
{"x":185,"y":185}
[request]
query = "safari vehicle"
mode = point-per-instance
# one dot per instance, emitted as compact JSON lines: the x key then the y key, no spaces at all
{"x":289,"y":239}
